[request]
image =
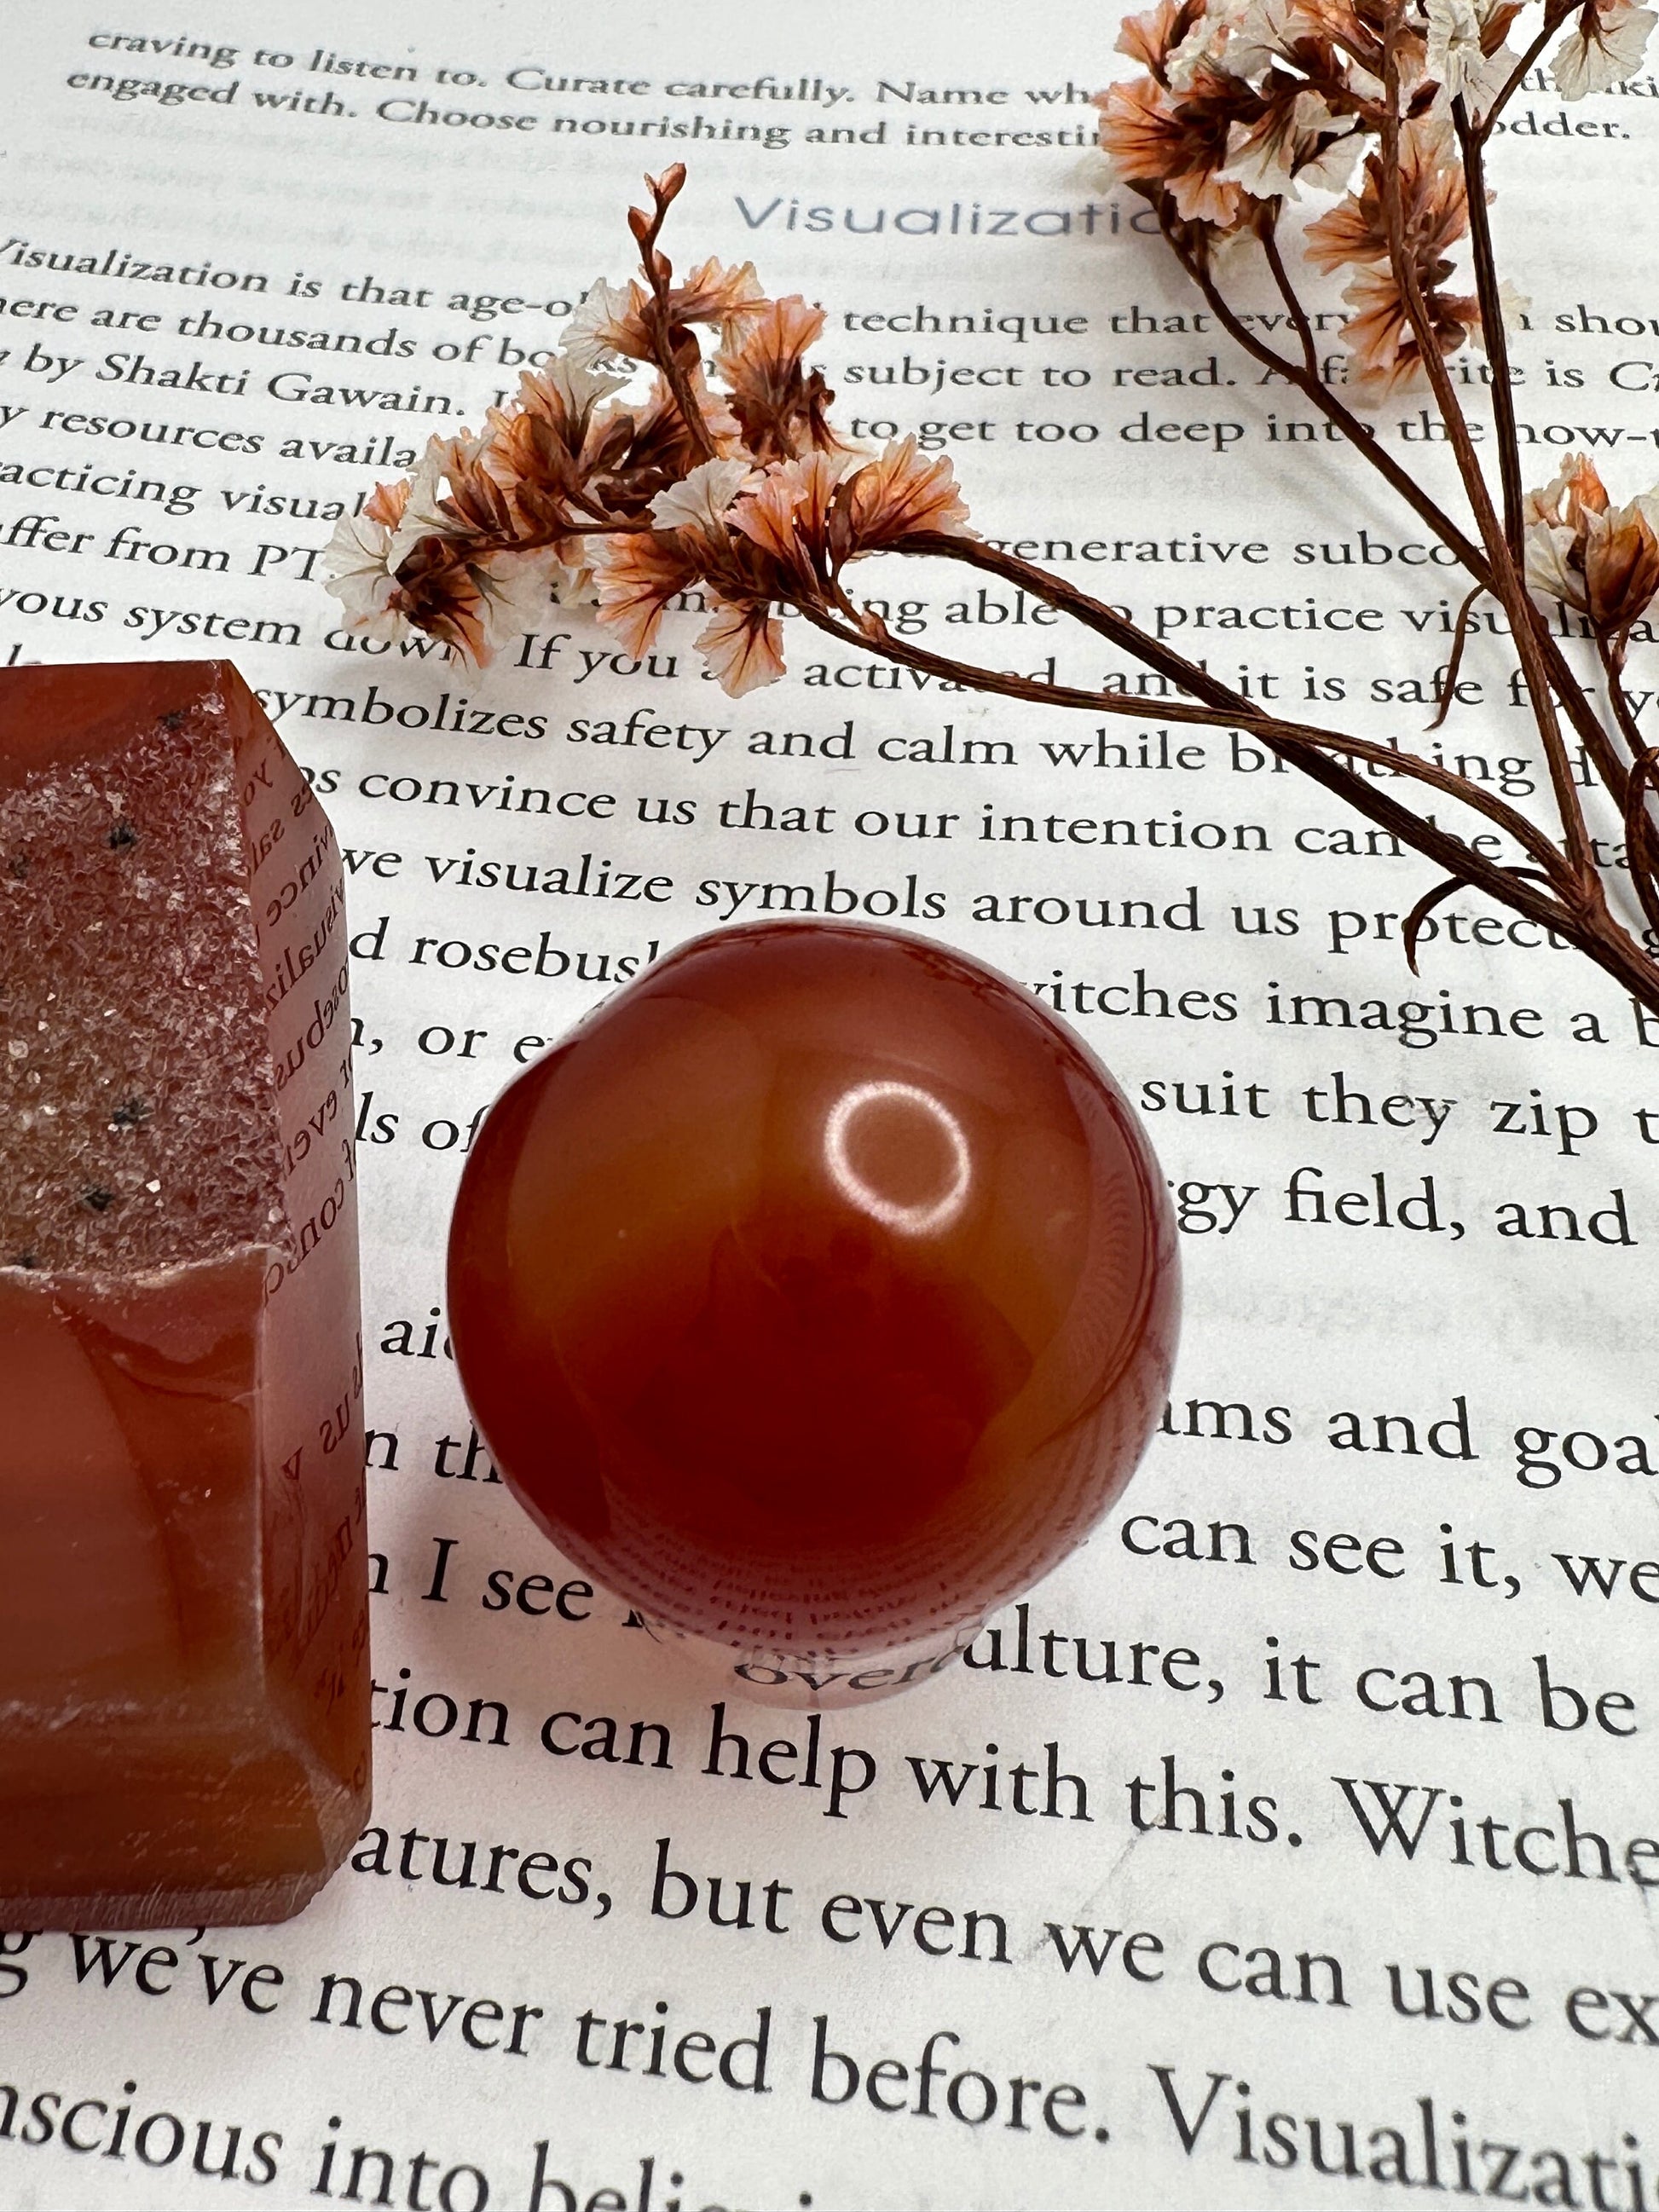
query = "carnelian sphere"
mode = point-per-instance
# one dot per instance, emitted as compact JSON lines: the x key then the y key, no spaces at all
{"x":818,"y":1293}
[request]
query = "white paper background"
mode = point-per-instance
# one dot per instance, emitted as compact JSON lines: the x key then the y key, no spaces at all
{"x":1312,"y":1320}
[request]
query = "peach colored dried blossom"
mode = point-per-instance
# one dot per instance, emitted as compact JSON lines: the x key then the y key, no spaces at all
{"x":566,"y":399}
{"x":1354,"y":30}
{"x":1434,"y":205}
{"x":743,"y":645}
{"x":387,"y":502}
{"x":610,"y":321}
{"x":1621,"y":565}
{"x":901,"y":494}
{"x":779,"y":403}
{"x":636,"y":576}
{"x":715,"y":294}
{"x":565,"y":477}
{"x":1151,"y":39}
{"x":548,"y":484}
{"x":1247,"y":102}
{"x":1330,"y":48}
{"x":1154,"y":139}
{"x":359,"y":572}
{"x":366,"y":551}
{"x":1454,"y":54}
{"x":782,"y":537}
{"x":1354,"y":235}
{"x":1379,"y":333}
{"x":467,"y":605}
{"x":1600,"y":559}
{"x":518,"y":589}
{"x":476,"y":504}
{"x":1348,"y":235}
{"x":588,"y":337}
{"x":788,"y":515}
{"x":662,"y":437}
{"x":417,"y":558}
{"x":439,"y":592}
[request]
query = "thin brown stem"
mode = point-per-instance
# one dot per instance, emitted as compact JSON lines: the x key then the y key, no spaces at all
{"x":1574,"y":704}
{"x":1554,"y":17}
{"x":1460,"y":640}
{"x":1304,"y":745}
{"x":658,"y":275}
{"x":679,"y":384}
{"x":1269,"y":236}
{"x":1640,"y":833}
{"x":1491,"y":326}
{"x":1592,"y":931}
{"x":1507,"y":584}
{"x":1315,"y":390}
{"x":1219,"y":702}
{"x":1613,"y":668}
{"x":1639,"y":837}
{"x":1105,"y":621}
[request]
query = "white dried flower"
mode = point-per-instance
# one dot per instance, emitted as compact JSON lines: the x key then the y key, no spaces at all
{"x":1263,"y":31}
{"x":516,"y":590}
{"x":421,"y":516}
{"x":1455,"y":55}
{"x":1204,"y":45}
{"x":700,"y":498}
{"x":1272,"y":157}
{"x":360,"y":576}
{"x":586,"y":339}
{"x":571,"y":376}
{"x":1605,"y":47}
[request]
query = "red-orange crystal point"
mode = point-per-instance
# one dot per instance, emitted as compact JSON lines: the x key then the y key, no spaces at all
{"x":183,"y":1691}
{"x":817,"y":1295}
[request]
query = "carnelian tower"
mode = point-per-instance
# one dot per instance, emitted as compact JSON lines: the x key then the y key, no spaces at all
{"x":184,"y":1712}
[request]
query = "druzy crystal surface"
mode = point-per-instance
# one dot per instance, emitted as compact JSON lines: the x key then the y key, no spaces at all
{"x":817,"y":1294}
{"x":184,"y":1723}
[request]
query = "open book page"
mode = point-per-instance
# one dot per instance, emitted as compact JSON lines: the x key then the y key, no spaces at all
{"x":1295,"y":1842}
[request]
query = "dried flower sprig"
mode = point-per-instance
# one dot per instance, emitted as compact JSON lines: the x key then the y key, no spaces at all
{"x":727,"y":477}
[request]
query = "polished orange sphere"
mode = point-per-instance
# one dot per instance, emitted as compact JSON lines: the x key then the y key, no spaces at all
{"x":817,"y":1294}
